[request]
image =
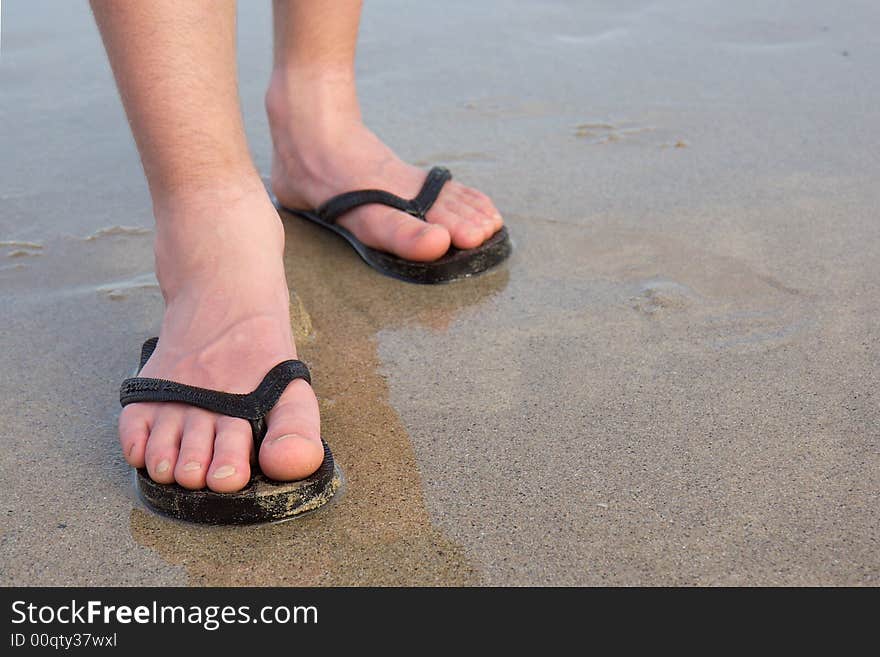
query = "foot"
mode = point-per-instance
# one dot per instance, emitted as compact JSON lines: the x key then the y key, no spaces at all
{"x":226,"y":324}
{"x":322,"y":148}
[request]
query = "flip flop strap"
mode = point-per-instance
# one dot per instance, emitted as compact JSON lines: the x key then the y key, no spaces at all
{"x":417,"y":207}
{"x":252,"y":406}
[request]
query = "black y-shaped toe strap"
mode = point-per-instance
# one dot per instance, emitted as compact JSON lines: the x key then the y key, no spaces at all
{"x":252,"y":406}
{"x":417,"y":207}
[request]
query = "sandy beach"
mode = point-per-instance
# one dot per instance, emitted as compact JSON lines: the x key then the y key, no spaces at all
{"x":673,"y":381}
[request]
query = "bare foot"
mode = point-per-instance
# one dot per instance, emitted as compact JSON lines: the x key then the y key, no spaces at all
{"x":226,"y":325}
{"x":322,"y":148}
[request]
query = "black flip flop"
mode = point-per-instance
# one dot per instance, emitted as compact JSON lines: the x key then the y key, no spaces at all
{"x":262,"y":499}
{"x":455,"y":264}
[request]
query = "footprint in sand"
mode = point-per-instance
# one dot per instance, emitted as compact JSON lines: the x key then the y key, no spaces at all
{"x":718,"y":302}
{"x":662,"y":294}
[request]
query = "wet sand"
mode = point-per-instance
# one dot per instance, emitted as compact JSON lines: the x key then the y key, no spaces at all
{"x":673,"y":380}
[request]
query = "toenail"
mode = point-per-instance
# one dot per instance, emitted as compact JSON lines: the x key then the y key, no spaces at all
{"x":497,"y":215}
{"x":192,"y":465}
{"x":162,"y":467}
{"x":224,"y":471}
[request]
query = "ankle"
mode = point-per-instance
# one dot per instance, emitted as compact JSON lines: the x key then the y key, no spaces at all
{"x":188,"y":196}
{"x":221,"y":235}
{"x":227,"y":188}
{"x":311,"y":104}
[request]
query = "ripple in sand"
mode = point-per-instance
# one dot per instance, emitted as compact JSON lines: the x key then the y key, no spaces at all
{"x":121,"y":289}
{"x":591,"y":39}
{"x":601,"y":133}
{"x":111,"y":231}
{"x":21,"y":245}
{"x":453,"y":158}
{"x":509,"y":107}
{"x":21,"y":249}
{"x":608,"y":133}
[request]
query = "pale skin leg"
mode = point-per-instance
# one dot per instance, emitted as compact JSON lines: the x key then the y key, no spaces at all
{"x":219,"y":244}
{"x":219,"y":240}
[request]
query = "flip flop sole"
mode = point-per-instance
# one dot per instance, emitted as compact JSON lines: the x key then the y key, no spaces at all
{"x":262,"y":500}
{"x":454,"y":265}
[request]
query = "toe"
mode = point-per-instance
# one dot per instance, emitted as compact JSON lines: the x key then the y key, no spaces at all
{"x":162,"y":445}
{"x":414,"y":239}
{"x":398,"y":233}
{"x":292,"y":448}
{"x":464,"y":223}
{"x":196,"y":450}
{"x":230,"y":466}
{"x":134,"y":429}
{"x":484,"y":205}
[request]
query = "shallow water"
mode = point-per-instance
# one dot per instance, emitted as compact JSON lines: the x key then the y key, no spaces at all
{"x":672,"y":381}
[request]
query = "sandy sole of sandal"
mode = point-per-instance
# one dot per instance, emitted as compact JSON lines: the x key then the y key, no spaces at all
{"x":262,"y":500}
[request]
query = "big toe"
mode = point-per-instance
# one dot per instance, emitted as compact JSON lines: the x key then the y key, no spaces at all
{"x":398,"y":233}
{"x":292,"y":447}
